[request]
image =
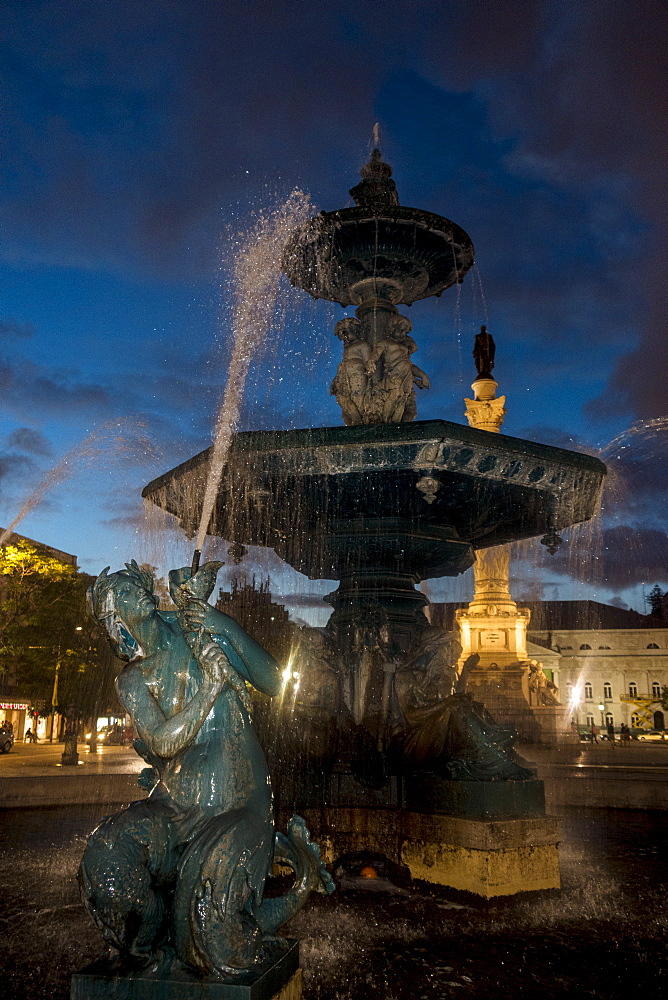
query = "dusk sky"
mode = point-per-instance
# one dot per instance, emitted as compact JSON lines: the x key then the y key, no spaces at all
{"x":138,"y":138}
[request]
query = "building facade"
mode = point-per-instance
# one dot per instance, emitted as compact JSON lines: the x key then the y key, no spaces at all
{"x":610,"y":665}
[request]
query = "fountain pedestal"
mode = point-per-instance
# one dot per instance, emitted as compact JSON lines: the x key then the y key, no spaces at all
{"x":486,"y":857}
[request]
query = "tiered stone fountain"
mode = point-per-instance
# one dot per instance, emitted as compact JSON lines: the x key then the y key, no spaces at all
{"x":379,"y":505}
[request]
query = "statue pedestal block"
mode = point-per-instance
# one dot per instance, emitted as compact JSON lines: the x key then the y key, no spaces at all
{"x":474,"y":799}
{"x":109,"y":979}
{"x":486,"y":857}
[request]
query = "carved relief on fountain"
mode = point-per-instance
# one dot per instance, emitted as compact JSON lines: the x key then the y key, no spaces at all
{"x":375,"y":381}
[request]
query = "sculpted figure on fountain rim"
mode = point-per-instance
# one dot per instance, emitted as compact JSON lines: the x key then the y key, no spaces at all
{"x":375,"y":381}
{"x":179,"y":877}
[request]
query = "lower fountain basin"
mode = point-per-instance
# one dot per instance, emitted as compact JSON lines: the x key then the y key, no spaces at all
{"x":443,"y":490}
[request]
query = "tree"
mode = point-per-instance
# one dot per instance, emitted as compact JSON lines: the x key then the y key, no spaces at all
{"x":657,"y":601}
{"x":44,"y":628}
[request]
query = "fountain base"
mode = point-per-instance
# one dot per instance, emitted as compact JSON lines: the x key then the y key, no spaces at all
{"x":109,"y":979}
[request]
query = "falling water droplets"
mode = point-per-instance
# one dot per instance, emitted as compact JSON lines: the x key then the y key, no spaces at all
{"x":257,"y":274}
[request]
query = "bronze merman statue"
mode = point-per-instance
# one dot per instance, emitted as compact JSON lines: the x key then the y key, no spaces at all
{"x":176,"y":880}
{"x":441,"y":728}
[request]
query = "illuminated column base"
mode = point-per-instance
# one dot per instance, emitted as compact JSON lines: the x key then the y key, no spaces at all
{"x":493,"y":627}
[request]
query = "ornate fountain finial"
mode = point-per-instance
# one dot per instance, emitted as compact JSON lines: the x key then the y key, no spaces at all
{"x":376,"y":190}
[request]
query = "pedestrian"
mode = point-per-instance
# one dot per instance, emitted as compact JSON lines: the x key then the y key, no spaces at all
{"x":594,"y":733}
{"x":611,"y":734}
{"x":30,"y":736}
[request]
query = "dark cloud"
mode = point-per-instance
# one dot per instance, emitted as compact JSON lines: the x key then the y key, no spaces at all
{"x":11,"y":329}
{"x":582,"y":87}
{"x":133,"y":132}
{"x":31,"y":441}
{"x":544,"y":434}
{"x":620,"y":557}
{"x":29,"y":388}
{"x":15,"y":467}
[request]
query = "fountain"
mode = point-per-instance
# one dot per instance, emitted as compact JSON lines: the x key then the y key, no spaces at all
{"x":400,"y":759}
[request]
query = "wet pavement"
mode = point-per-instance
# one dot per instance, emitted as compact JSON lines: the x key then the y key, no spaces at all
{"x":26,"y":760}
{"x":603,"y":936}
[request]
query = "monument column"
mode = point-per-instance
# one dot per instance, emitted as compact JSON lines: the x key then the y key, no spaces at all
{"x":513,"y":687}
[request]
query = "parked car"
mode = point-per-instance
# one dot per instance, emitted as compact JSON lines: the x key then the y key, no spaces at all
{"x":109,"y":735}
{"x":652,"y":734}
{"x":114,"y":736}
{"x":6,"y":740}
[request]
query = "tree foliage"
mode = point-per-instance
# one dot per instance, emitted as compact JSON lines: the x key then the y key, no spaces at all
{"x":45,"y":627}
{"x":657,"y":601}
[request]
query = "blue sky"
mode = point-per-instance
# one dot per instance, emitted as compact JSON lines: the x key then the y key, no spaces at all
{"x":139,"y":138}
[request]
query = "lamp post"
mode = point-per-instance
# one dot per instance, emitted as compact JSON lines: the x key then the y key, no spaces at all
{"x":54,"y":698}
{"x":601,"y":709}
{"x":70,"y":755}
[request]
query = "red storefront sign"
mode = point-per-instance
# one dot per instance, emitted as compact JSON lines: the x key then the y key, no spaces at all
{"x":15,"y":706}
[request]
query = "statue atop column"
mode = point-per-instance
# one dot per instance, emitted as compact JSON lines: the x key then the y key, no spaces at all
{"x":483,"y":353}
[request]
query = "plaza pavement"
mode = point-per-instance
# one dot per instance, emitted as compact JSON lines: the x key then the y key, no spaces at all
{"x":32,"y":775}
{"x":632,"y":776}
{"x":623,"y":776}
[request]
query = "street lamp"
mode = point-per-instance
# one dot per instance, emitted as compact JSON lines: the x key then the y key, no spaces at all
{"x":601,"y":709}
{"x":70,"y":754}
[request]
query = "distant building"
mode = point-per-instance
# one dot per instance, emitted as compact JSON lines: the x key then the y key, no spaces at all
{"x":596,"y":654}
{"x":268,"y":623}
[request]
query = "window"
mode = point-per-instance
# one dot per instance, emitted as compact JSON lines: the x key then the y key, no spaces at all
{"x":585,"y":645}
{"x":566,"y":647}
{"x":635,"y":720}
{"x":607,"y":692}
{"x":604,"y":647}
{"x":652,"y":645}
{"x":633,"y":689}
{"x":656,"y":690}
{"x":588,"y":691}
{"x":609,"y":721}
{"x":590,"y":720}
{"x":569,"y":692}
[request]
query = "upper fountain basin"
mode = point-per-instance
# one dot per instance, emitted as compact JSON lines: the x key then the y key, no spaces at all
{"x":295,"y":491}
{"x":418,"y":253}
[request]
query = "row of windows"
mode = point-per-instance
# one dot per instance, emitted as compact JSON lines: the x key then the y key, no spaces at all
{"x":585,"y":645}
{"x":609,"y":721}
{"x":607,"y":690}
